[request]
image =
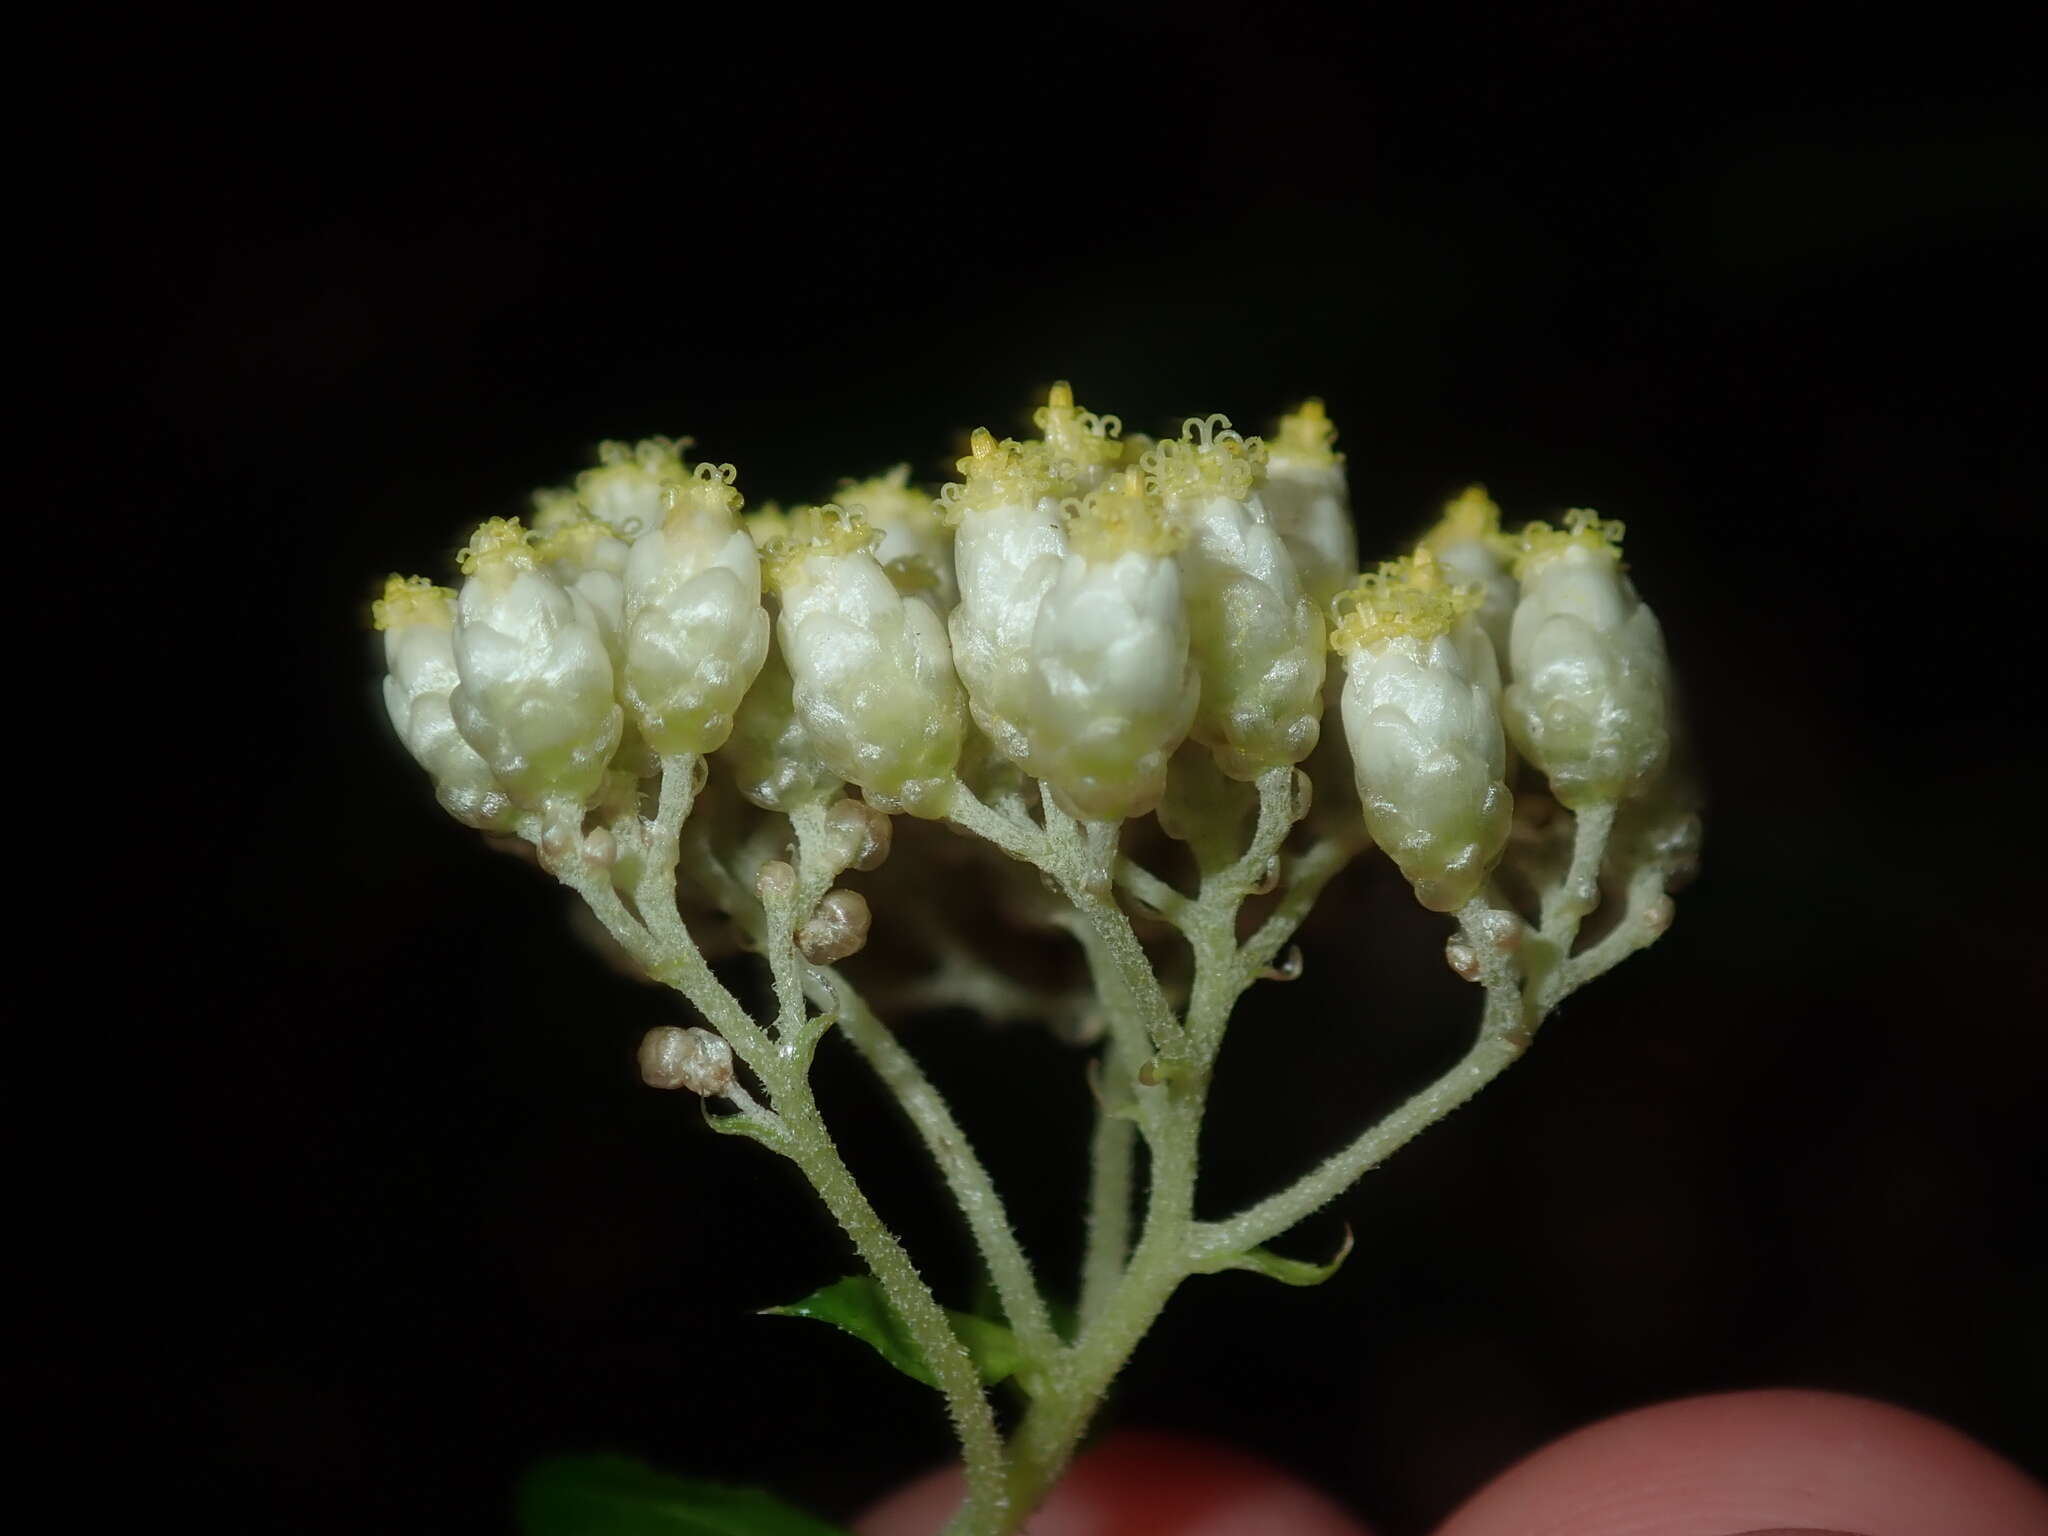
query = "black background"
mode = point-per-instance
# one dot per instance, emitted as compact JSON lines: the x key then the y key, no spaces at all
{"x":1766,"y":290}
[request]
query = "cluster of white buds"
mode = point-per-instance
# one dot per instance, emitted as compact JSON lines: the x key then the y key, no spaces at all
{"x":1075,"y":608}
{"x":704,"y":718}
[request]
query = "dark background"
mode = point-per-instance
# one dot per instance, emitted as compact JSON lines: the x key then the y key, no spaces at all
{"x":1765,"y":290}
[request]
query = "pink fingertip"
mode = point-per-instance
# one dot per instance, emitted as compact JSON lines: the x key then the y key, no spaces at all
{"x":1746,"y":1462}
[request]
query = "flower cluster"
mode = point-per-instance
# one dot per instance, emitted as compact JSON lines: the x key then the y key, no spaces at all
{"x":1096,"y":653}
{"x":1083,"y":608}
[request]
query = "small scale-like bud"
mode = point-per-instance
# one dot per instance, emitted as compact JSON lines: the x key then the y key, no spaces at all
{"x":696,"y":1059}
{"x":1306,"y":498}
{"x":1426,"y":744}
{"x":1462,"y":958}
{"x":775,"y":881}
{"x":535,"y":698}
{"x":417,"y":620}
{"x":837,"y":929}
{"x":1112,"y":687}
{"x":872,"y":673}
{"x":861,"y":834}
{"x":696,"y":633}
{"x":1587,"y":701}
{"x":1256,"y":638}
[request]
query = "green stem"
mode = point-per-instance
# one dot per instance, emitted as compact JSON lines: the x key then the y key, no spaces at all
{"x":968,"y":1181}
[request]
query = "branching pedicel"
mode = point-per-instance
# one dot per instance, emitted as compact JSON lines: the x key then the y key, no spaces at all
{"x":1088,"y":649}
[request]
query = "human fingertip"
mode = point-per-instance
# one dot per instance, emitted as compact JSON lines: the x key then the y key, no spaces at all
{"x":1759,"y":1464}
{"x":1141,"y":1483}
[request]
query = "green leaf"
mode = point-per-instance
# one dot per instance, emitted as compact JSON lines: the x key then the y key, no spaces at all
{"x":857,"y":1305}
{"x":617,"y":1496}
{"x":1287,"y":1271}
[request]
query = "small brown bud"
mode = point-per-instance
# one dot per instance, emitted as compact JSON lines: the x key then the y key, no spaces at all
{"x":1503,"y":930}
{"x":1463,"y":959}
{"x":695,"y":1059}
{"x":601,"y":849}
{"x":1304,"y":797}
{"x":775,"y":882}
{"x":1657,"y":916}
{"x":865,"y":833}
{"x":1287,"y":968}
{"x":837,"y":929}
{"x":1269,"y":877}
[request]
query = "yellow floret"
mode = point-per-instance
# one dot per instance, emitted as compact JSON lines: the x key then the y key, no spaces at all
{"x":1122,"y":517}
{"x":1540,"y":543}
{"x":1409,"y":596}
{"x":890,"y":501}
{"x":827,"y":530}
{"x":1076,"y":437}
{"x":1306,"y":435}
{"x":996,"y":474}
{"x":1470,"y":518}
{"x":575,"y":541}
{"x":708,"y":493}
{"x":410,"y":600}
{"x":556,"y":507}
{"x":661,"y":457}
{"x":767,"y":523}
{"x":1208,"y":459}
{"x":500,"y":544}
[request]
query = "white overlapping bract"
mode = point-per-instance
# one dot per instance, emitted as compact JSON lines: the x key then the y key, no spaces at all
{"x":1588,"y":702}
{"x":536,"y":691}
{"x":872,"y":674}
{"x":1257,"y":638}
{"x":1422,"y":718}
{"x":1110,"y":689}
{"x":418,"y":620}
{"x":696,"y":632}
{"x":1309,"y":503}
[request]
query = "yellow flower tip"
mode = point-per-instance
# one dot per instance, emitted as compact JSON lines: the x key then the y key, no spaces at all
{"x":1123,"y":517}
{"x":890,"y":500}
{"x":996,"y":474}
{"x":827,"y":530}
{"x":1540,"y":543}
{"x":1410,"y":596}
{"x":767,"y":523}
{"x":1471,"y":517}
{"x":1209,"y":458}
{"x":410,"y":600}
{"x":1078,"y":438}
{"x":570,"y":541}
{"x":708,"y":493}
{"x":555,"y":507}
{"x":661,"y":457}
{"x":1307,"y":435}
{"x":498,"y":545}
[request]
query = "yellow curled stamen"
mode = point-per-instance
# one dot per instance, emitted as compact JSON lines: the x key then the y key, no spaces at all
{"x":498,"y":545}
{"x":830,"y":530}
{"x":1306,"y":435}
{"x":1540,"y":543}
{"x":1409,"y":596}
{"x":1122,"y":517}
{"x":410,"y":600}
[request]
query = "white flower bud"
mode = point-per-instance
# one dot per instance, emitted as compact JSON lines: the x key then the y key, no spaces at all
{"x":1587,"y":702}
{"x":1257,"y":640}
{"x":773,"y":761}
{"x":1467,"y":541}
{"x":696,"y":633}
{"x":696,"y":1059}
{"x":916,"y":546}
{"x":1309,"y":504}
{"x":586,"y":556}
{"x":535,"y":697}
{"x":872,"y":674}
{"x":1420,"y":687}
{"x":1009,"y":539}
{"x":1112,"y":687}
{"x":629,"y":487}
{"x":417,"y":619}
